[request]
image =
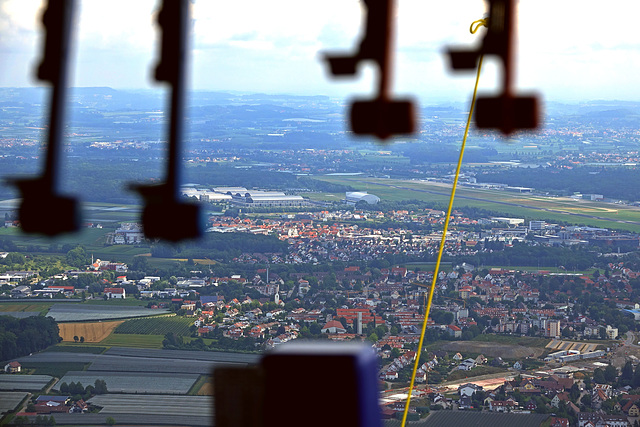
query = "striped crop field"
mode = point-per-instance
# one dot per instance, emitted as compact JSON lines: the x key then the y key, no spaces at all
{"x":91,"y":312}
{"x":91,"y":331}
{"x":133,"y":340}
{"x":156,"y":326}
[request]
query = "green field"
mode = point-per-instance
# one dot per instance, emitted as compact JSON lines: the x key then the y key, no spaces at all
{"x":195,"y":388}
{"x":552,"y":209}
{"x":155,"y":326}
{"x":73,"y":348}
{"x":86,"y":237}
{"x":57,"y":370}
{"x":42,"y":307}
{"x":133,"y":340}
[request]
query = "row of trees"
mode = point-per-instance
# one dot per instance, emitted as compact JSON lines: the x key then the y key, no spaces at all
{"x":40,"y":420}
{"x":78,"y":390}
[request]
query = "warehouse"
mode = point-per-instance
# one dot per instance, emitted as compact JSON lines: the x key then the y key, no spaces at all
{"x":352,"y":198}
{"x":253,"y":198}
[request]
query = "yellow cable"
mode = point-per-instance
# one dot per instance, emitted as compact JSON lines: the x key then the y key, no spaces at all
{"x":481,"y":22}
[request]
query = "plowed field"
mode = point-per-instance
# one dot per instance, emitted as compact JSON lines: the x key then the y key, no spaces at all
{"x":91,"y":331}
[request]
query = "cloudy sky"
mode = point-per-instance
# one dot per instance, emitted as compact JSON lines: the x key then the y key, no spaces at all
{"x":570,"y":50}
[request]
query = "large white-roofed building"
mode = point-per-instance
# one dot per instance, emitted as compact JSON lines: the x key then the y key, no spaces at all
{"x":352,"y":198}
{"x":206,"y":196}
{"x":255,"y":198}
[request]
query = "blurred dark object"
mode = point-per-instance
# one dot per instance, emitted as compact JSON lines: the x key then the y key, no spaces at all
{"x":43,"y":209}
{"x":505,"y":112}
{"x":165,"y":216}
{"x":381,"y":116}
{"x":239,"y":398}
{"x":291,"y":383}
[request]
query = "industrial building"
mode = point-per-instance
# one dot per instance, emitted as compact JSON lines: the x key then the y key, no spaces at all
{"x":352,"y":198}
{"x":255,"y":198}
{"x":240,"y":196}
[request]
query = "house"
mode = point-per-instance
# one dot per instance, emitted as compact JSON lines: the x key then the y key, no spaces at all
{"x":457,"y":357}
{"x":303,"y":287}
{"x":467,"y":365}
{"x":421,"y":376}
{"x":632,"y":408}
{"x":532,"y":406}
{"x":502,"y":405}
{"x":560,"y":397}
{"x":598,"y":397}
{"x":596,"y":419}
{"x":79,"y":407}
{"x":468,"y":389}
{"x":465,"y":402}
{"x":454,"y":331}
{"x":558,"y":422}
{"x":333,"y":327}
{"x":115,"y":293}
{"x":391,"y":375}
{"x":52,"y":404}
{"x":517,"y":366}
{"x":13,"y":367}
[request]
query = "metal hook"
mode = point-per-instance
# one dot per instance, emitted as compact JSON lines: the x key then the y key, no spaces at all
{"x":43,"y":209}
{"x":381,"y":116}
{"x":164,"y":215}
{"x":506,"y":111}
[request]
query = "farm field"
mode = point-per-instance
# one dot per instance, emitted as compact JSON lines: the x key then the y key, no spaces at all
{"x":89,"y":312}
{"x":492,"y":349}
{"x":106,"y":363}
{"x":134,"y":340}
{"x":132,"y":418}
{"x":25,"y":307}
{"x":117,"y":302}
{"x":144,"y":383}
{"x":154,"y":404}
{"x":58,"y":369}
{"x":92,"y":332}
{"x":136,"y":360}
{"x":156,"y":326}
{"x":513,"y":340}
{"x":23,"y":382}
{"x":491,"y":345}
{"x":10,"y":399}
{"x":77,"y":348}
{"x":553,"y":209}
{"x":205,"y":386}
{"x":452,"y":418}
{"x":86,"y":237}
{"x":209,"y":356}
{"x":475,"y":372}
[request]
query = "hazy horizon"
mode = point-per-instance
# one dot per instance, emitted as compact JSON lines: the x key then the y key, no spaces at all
{"x":276,"y":48}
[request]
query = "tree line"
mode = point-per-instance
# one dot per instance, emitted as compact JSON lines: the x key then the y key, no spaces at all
{"x":20,"y":337}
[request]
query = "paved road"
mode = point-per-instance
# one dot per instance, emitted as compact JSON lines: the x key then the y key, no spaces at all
{"x":630,"y":340}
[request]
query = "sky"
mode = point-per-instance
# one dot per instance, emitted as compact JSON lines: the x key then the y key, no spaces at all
{"x":568,"y":50}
